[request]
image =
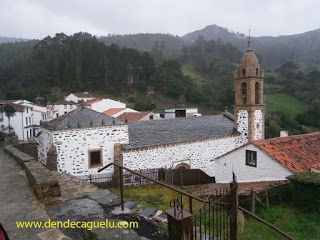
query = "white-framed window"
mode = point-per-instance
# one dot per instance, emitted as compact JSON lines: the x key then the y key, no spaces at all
{"x":26,"y":120}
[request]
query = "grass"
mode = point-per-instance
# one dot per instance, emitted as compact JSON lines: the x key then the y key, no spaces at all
{"x":286,"y":103}
{"x":300,"y":225}
{"x":188,"y":70}
{"x":153,"y":196}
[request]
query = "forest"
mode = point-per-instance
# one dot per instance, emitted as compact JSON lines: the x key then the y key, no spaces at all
{"x":199,"y":74}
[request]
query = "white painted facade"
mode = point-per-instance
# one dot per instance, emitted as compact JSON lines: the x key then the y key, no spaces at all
{"x":74,"y":98}
{"x":39,"y":113}
{"x":267,"y":168}
{"x":258,"y":133}
{"x":199,"y":154}
{"x":72,"y":147}
{"x":57,"y":110}
{"x":104,"y":104}
{"x":22,"y":123}
{"x":189,"y":112}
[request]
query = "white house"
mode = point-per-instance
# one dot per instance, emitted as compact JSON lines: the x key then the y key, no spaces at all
{"x":116,"y":112}
{"x":83,"y":141}
{"x":79,"y":97}
{"x":103,"y":104}
{"x":60,"y":108}
{"x":270,"y":160}
{"x":22,"y":122}
{"x":39,"y":113}
{"x":180,"y":113}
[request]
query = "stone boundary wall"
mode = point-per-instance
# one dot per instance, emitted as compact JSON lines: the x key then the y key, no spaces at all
{"x":44,"y":183}
{"x":30,"y":148}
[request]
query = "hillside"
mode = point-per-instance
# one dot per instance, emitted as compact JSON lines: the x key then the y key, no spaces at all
{"x":303,"y":48}
{"x":11,"y":39}
{"x":168,"y":44}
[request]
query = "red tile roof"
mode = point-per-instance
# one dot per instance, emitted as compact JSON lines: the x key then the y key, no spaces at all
{"x":111,"y":111}
{"x":132,"y":116}
{"x":297,"y":153}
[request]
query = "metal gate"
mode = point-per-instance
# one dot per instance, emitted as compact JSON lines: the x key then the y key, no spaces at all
{"x":213,"y":220}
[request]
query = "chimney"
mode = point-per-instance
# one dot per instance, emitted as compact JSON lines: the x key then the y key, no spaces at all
{"x":284,"y":133}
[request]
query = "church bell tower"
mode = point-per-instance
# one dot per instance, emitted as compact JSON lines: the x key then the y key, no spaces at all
{"x":249,"y":108}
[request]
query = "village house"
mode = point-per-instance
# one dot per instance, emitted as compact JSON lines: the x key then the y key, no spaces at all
{"x":60,"y":108}
{"x":116,"y":112}
{"x":270,"y":160}
{"x":103,"y":104}
{"x":78,"y":97}
{"x":81,"y":141}
{"x":170,"y":143}
{"x":128,"y":117}
{"x":22,"y":122}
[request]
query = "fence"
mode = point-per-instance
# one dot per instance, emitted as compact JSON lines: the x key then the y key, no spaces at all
{"x":129,"y":179}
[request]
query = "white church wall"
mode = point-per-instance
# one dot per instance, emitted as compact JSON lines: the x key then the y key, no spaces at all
{"x":267,"y":169}
{"x":258,"y":125}
{"x":242,"y":122}
{"x":199,"y":154}
{"x":72,"y":147}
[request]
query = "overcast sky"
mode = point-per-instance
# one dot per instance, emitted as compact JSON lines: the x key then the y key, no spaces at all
{"x":39,"y":18}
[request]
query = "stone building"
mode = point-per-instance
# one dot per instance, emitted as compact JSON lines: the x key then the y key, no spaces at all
{"x":169,"y":143}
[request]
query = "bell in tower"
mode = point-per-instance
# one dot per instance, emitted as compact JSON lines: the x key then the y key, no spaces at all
{"x":249,"y":108}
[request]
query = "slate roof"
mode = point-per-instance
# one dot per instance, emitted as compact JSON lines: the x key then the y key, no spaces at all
{"x":63,"y":102}
{"x":170,"y":131}
{"x":298,"y":153}
{"x":82,"y":95}
{"x":80,"y":118}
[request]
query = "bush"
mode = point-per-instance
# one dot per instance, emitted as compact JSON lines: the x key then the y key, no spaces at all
{"x":306,"y":190}
{"x":2,"y":136}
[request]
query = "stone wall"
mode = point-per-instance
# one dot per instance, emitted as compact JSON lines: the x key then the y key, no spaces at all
{"x":29,"y":148}
{"x":44,"y":183}
{"x":72,"y":147}
{"x":198,"y":154}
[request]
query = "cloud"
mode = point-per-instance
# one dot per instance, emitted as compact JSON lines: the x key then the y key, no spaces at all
{"x":39,"y":18}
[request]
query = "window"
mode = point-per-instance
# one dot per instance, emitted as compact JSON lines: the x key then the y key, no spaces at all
{"x":65,"y":106}
{"x":26,"y":120}
{"x":57,"y":114}
{"x":95,"y":158}
{"x":251,"y":158}
{"x":27,"y":110}
{"x":243,"y":72}
{"x":257,"y":93}
{"x":257,"y":71}
{"x":71,"y":106}
{"x":30,"y":120}
{"x":30,"y":133}
{"x":151,"y":117}
{"x":243,"y":93}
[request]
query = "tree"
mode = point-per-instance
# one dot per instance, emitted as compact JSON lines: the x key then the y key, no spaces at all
{"x":9,"y":112}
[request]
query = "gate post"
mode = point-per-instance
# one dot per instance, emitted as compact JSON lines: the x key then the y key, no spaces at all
{"x":234,"y":209}
{"x":179,"y":224}
{"x":117,"y":158}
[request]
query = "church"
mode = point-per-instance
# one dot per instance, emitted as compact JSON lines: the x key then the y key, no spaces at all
{"x":82,"y":141}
